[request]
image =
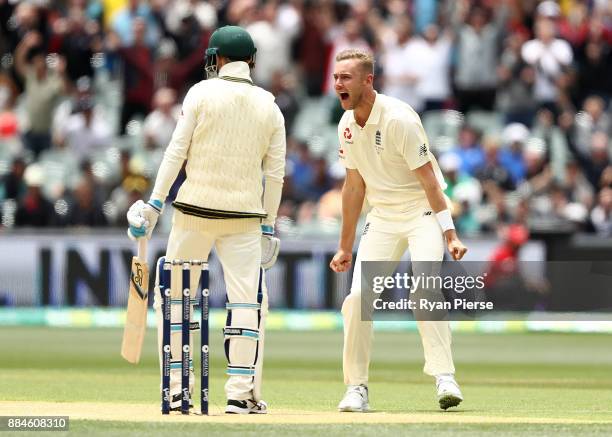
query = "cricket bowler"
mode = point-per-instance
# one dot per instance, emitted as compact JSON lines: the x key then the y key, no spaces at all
{"x":232,"y":135}
{"x":387,"y":158}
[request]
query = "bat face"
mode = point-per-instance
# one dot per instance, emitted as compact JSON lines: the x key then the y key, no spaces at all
{"x":136,"y":315}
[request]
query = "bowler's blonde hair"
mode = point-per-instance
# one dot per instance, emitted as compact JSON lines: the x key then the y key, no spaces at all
{"x":366,"y":60}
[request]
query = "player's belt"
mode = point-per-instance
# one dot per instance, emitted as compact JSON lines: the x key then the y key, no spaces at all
{"x":210,"y":213}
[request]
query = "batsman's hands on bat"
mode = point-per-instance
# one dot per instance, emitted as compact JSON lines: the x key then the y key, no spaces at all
{"x":142,"y":218}
{"x":342,"y":261}
{"x":270,"y":246}
{"x":455,"y":247}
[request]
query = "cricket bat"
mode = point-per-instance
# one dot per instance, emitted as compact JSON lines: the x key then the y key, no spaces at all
{"x":136,"y":316}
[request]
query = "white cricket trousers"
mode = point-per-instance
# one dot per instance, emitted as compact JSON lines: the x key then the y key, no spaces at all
{"x":387,"y":240}
{"x":237,"y":243}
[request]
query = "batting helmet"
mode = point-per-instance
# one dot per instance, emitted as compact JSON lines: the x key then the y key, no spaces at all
{"x":232,"y":42}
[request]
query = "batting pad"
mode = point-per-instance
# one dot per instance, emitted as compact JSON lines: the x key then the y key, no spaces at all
{"x":241,"y":336}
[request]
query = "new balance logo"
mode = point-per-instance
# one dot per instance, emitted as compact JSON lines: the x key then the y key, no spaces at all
{"x":423,"y":150}
{"x":366,"y":228}
{"x":427,"y":213}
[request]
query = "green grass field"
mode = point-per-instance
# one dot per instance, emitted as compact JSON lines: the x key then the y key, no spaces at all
{"x":514,"y":384}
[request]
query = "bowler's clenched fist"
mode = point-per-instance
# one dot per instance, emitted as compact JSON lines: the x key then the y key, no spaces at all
{"x":341,"y":261}
{"x":456,"y":248}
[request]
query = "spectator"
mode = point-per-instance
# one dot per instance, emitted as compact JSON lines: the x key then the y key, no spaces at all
{"x":450,"y":164}
{"x":554,"y":141}
{"x":469,"y":150}
{"x":401,"y":73}
{"x":316,"y":22}
{"x":591,"y":119}
{"x":273,"y":35}
{"x":321,"y":180}
{"x":33,"y":209}
{"x":74,"y":37}
{"x":138,"y":74}
{"x":125,"y":21}
{"x":43,"y":88}
{"x":13,"y":184}
{"x":83,"y":90}
{"x":175,"y":73}
{"x":301,"y":171}
{"x":515,"y":136}
{"x":601,"y":216}
{"x":595,"y":162}
{"x":282,"y":86}
{"x":100,"y":193}
{"x":434,"y":56}
{"x":26,"y":17}
{"x":477,"y":38}
{"x":539,"y":186}
{"x":492,"y":170}
{"x":550,"y":57}
{"x":159,"y":124}
{"x":574,"y":27}
{"x":594,"y":71}
{"x":463,"y":190}
{"x":330,"y":203}
{"x":203,"y":12}
{"x":515,"y":93}
{"x":9,"y":130}
{"x":85,"y":132}
{"x":85,"y":209}
{"x":576,"y":186}
{"x":559,"y":164}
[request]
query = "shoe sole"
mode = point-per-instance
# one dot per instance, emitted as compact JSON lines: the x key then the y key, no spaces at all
{"x":235,"y":410}
{"x":353,"y":410}
{"x":447,"y":401}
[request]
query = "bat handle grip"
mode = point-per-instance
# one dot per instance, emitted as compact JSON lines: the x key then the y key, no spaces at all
{"x":142,"y":248}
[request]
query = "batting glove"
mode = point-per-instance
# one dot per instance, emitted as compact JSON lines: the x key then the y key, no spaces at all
{"x":142,"y":218}
{"x":270,"y":245}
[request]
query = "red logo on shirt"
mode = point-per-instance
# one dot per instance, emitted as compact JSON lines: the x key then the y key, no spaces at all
{"x":347,"y":134}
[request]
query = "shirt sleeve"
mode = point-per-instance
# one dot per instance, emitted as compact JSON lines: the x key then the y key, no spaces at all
{"x":412,"y":142}
{"x":343,"y":152}
{"x":176,"y":153}
{"x":274,"y":168}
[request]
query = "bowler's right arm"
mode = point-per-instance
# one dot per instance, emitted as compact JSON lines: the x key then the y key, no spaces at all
{"x":353,"y":194}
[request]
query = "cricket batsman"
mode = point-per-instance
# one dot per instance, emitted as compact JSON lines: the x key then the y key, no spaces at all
{"x":387,"y":158}
{"x":232,"y":135}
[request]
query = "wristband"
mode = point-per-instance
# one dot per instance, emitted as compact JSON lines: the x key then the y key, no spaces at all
{"x":445,"y":220}
{"x":156,"y":204}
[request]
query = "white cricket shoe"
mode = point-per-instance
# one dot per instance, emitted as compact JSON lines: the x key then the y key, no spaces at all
{"x":355,"y":399}
{"x":248,"y":406}
{"x":449,"y":394}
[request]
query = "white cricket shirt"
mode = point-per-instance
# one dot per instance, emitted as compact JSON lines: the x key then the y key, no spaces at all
{"x":385,"y":151}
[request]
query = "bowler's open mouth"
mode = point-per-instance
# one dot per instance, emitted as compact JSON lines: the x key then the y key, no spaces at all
{"x":344,"y":96}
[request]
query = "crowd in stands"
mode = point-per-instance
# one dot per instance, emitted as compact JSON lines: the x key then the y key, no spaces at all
{"x":514,"y":96}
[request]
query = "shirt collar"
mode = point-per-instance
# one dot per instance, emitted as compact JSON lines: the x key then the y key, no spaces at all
{"x":236,"y":70}
{"x":374,"y":116}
